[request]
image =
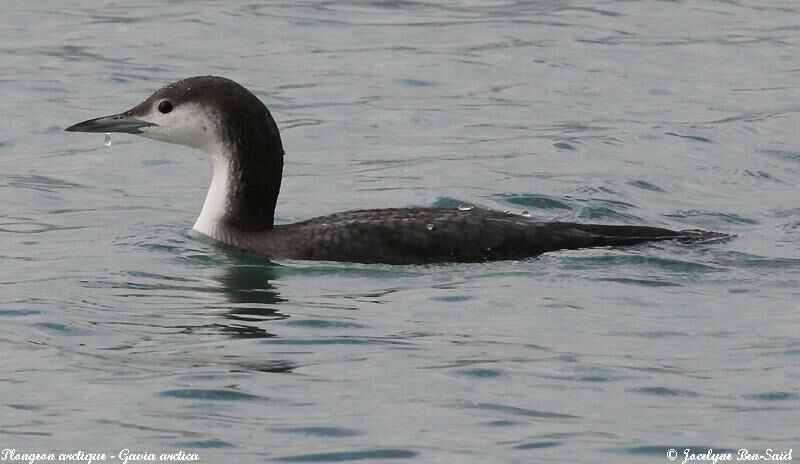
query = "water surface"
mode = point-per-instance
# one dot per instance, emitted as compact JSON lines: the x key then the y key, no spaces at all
{"x":120,"y":328}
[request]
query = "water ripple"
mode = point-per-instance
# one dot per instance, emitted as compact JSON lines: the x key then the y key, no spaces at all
{"x":343,"y":456}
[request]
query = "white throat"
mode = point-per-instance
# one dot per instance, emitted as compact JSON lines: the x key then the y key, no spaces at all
{"x":194,"y":125}
{"x":217,"y":201}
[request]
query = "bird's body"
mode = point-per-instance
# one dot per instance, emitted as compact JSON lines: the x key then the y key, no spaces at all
{"x":231,"y":124}
{"x":431,"y":235}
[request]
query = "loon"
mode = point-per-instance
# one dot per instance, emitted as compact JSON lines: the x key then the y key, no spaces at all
{"x":236,"y":129}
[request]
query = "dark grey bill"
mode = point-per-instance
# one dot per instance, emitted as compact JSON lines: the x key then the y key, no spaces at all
{"x":114,"y":123}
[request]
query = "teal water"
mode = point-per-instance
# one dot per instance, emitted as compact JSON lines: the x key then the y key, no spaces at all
{"x":121,"y":329}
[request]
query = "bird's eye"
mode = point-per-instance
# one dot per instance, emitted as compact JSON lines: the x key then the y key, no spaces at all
{"x":165,"y":106}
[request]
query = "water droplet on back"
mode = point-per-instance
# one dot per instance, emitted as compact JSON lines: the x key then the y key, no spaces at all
{"x":526,"y":214}
{"x":429,"y":227}
{"x":463,"y":207}
{"x":107,"y":141}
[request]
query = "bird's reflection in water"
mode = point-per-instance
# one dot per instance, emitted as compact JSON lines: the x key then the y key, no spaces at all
{"x":252,"y":298}
{"x":252,"y":303}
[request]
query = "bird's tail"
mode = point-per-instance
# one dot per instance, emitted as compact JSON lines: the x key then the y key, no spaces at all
{"x":597,"y":235}
{"x":699,"y":235}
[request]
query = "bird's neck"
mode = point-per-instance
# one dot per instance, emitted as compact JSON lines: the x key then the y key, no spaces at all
{"x":244,"y":187}
{"x":217,"y":203}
